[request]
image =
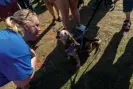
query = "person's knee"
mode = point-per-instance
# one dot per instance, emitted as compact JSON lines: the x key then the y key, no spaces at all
{"x":62,"y":5}
{"x":64,"y":10}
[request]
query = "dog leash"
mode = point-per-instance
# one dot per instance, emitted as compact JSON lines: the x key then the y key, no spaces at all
{"x":89,"y":22}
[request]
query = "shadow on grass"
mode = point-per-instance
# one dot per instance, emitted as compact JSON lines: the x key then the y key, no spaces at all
{"x":40,"y":7}
{"x":56,"y":71}
{"x":86,"y":14}
{"x":105,"y":74}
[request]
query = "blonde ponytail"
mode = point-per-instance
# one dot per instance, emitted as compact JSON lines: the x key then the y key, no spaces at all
{"x":11,"y":24}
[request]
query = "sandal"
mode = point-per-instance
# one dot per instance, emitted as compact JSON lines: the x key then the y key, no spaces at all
{"x":53,"y":21}
{"x":58,"y":19}
{"x":126,"y":25}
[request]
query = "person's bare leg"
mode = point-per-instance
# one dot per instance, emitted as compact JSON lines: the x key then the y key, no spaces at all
{"x":74,"y":10}
{"x":63,"y":6}
{"x":75,"y":13}
{"x":50,"y":8}
{"x":128,"y":15}
{"x":57,"y":11}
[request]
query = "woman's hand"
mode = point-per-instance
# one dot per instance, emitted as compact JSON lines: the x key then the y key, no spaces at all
{"x":34,"y":58}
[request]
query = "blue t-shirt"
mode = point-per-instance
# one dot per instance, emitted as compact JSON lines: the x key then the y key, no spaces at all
{"x":15,"y":57}
{"x":4,"y":2}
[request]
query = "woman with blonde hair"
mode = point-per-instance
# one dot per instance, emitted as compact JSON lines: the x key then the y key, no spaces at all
{"x":63,"y":6}
{"x":17,"y":60}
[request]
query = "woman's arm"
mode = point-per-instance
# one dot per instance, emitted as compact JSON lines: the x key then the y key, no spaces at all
{"x":24,"y":83}
{"x":34,"y":58}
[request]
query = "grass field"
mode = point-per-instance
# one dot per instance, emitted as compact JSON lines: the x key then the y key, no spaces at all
{"x":110,"y":68}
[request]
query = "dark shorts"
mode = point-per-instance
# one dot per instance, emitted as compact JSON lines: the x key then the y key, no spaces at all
{"x":127,"y":5}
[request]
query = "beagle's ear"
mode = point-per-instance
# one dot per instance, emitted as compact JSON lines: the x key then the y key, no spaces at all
{"x":58,"y":33}
{"x":67,"y":33}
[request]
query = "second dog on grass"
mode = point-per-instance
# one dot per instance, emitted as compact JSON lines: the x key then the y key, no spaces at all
{"x":73,"y":47}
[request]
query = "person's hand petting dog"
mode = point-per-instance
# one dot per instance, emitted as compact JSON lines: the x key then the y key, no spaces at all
{"x":34,"y":58}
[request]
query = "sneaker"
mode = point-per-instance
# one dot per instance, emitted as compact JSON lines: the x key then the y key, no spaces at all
{"x":126,"y":25}
{"x":81,"y":27}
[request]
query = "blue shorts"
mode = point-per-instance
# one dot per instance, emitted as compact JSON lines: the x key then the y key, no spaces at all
{"x":15,"y":57}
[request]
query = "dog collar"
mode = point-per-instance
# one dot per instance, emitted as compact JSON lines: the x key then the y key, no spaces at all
{"x":70,"y":49}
